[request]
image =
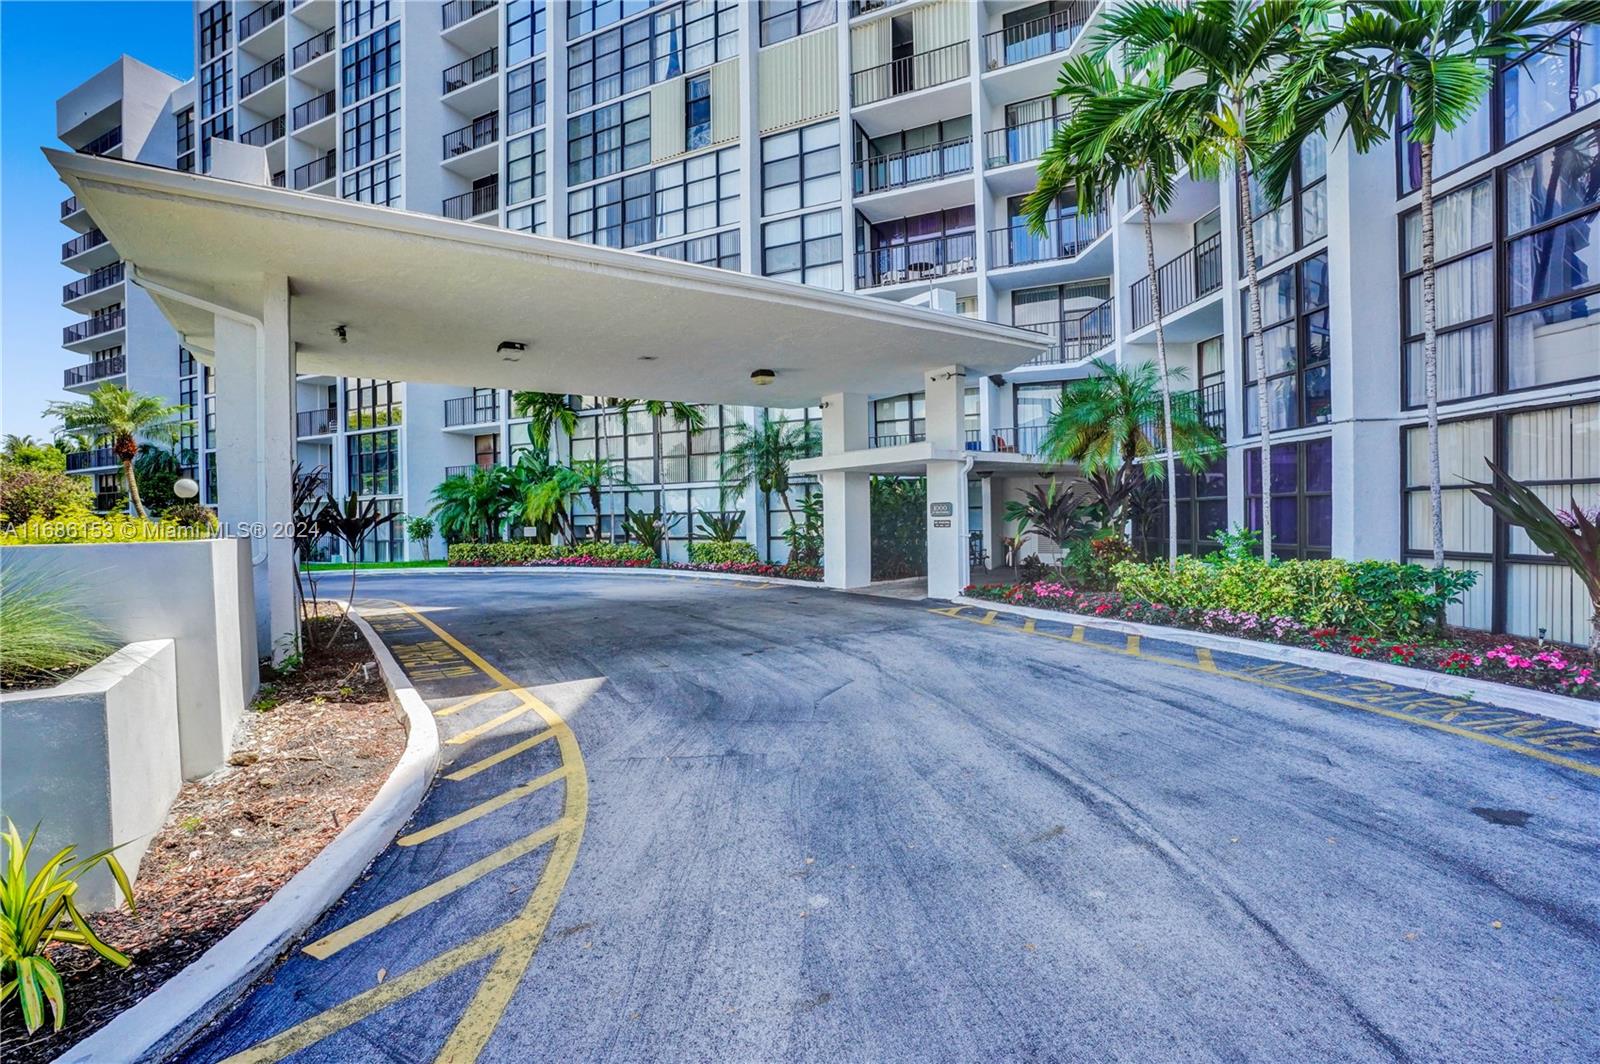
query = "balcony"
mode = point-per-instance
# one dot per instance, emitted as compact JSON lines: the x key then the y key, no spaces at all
{"x":1076,"y":337}
{"x":1038,"y":37}
{"x":260,"y":19}
{"x":469,"y":205}
{"x":1206,"y":402}
{"x":458,"y":11}
{"x":77,"y":333}
{"x":79,"y":244}
{"x":104,"y":277}
{"x":69,"y":206}
{"x":316,"y":171}
{"x":315,"y":423}
{"x":313,"y":110}
{"x":106,"y":501}
{"x":903,"y":169}
{"x":313,"y":48}
{"x":480,"y":133}
{"x":896,"y":439}
{"x":78,"y":376}
{"x":267,"y":132}
{"x":1019,"y":439}
{"x":1065,"y":236}
{"x":1019,"y":144}
{"x":261,"y":77}
{"x":917,"y":260}
{"x":280,"y":179}
{"x":1185,"y":279}
{"x":464,"y":470}
{"x":97,"y":458}
{"x":924,"y":70}
{"x":111,"y":138}
{"x":471,"y":70}
{"x":471,"y":410}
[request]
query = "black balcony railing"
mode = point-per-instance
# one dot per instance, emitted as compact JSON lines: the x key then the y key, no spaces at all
{"x":896,"y":439}
{"x":937,"y":66}
{"x":471,"y":204}
{"x":316,"y":422}
{"x":1211,"y":406}
{"x":461,"y":470}
{"x":261,"y":77}
{"x":1020,"y":143}
{"x":1065,"y":236}
{"x":313,"y":48}
{"x":104,"y":277}
{"x":316,"y":171}
{"x":1054,"y":32}
{"x":91,"y":459}
{"x":1204,"y":403}
{"x":106,"y":501}
{"x":917,"y":260}
{"x":69,"y":206}
{"x":111,"y":138}
{"x":472,"y":410}
{"x":460,"y":10}
{"x":1020,"y":439}
{"x":479,"y":134}
{"x":280,"y":178}
{"x":260,"y":19}
{"x":313,"y":110}
{"x":1076,"y":336}
{"x":468,"y":71}
{"x":94,"y":371}
{"x":1195,"y":273}
{"x":267,"y":132}
{"x":912,"y":167}
{"x":93,"y":326}
{"x":79,"y":244}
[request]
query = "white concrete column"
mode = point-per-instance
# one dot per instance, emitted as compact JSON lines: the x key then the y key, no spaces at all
{"x":846,"y":497}
{"x":277,"y":454}
{"x":943,"y":390}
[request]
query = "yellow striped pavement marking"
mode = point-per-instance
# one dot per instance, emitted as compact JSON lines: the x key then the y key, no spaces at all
{"x":504,"y":755}
{"x":483,"y":809}
{"x":1202,"y":657}
{"x":467,"y":703}
{"x":463,"y":737}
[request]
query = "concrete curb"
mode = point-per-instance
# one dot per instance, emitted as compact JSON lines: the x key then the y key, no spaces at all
{"x":602,"y":570}
{"x":159,"y":1025}
{"x":1540,"y":703}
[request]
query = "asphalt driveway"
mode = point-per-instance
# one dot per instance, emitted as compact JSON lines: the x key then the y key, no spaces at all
{"x":691,"y":820}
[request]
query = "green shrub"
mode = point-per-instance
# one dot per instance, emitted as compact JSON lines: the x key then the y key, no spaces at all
{"x":1375,"y":597}
{"x":44,"y":634}
{"x":86,"y":526}
{"x":522,"y":552}
{"x":715,"y":552}
{"x":190,"y":515}
{"x":30,"y":491}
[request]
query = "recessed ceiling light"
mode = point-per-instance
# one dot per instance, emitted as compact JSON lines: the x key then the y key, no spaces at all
{"x":763,"y":376}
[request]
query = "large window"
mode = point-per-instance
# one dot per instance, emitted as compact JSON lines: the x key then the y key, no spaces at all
{"x":782,"y":19}
{"x":800,"y":168}
{"x":360,"y":16}
{"x":670,"y":42}
{"x":1520,"y":589}
{"x":1301,"y":219}
{"x":1294,"y":319}
{"x":1033,"y":407}
{"x":697,"y":112}
{"x":808,"y":249}
{"x":214,"y":26}
{"x":899,"y":419}
{"x":530,"y":219}
{"x":372,"y":64}
{"x":524,"y":30}
{"x":184,"y":120}
{"x":586,"y":16}
{"x":717,"y":249}
{"x":1551,"y":83}
{"x":370,"y":404}
{"x":1302,"y":497}
{"x":378,"y":183}
{"x":374,"y":463}
{"x":673,"y":200}
{"x":372,"y":130}
{"x":1538,"y":265}
{"x":609,"y":139}
{"x":1202,"y":510}
{"x":525,"y":89}
{"x":525,"y":167}
{"x":216,"y":86}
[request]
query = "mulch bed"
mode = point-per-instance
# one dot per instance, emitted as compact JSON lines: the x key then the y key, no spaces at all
{"x":308,"y":759}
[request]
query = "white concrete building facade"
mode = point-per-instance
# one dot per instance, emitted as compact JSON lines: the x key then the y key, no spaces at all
{"x":883,"y":148}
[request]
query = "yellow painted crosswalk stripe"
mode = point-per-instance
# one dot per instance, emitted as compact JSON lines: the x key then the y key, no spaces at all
{"x":504,"y":755}
{"x":482,"y":809}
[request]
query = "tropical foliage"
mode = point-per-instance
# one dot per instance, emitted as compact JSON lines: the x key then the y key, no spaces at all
{"x":45,"y":632}
{"x":723,"y":552}
{"x":26,"y":452}
{"x":471,"y":508}
{"x":38,"y":911}
{"x":1060,"y":513}
{"x":350,"y":523}
{"x":546,"y":412}
{"x":899,"y":527}
{"x":762,"y":455}
{"x":121,"y":416}
{"x":648,"y":528}
{"x":156,"y":471}
{"x":29,"y":492}
{"x":85,"y":526}
{"x":723,"y":526}
{"x":420,"y":530}
{"x":804,"y":534}
{"x":527,"y":553}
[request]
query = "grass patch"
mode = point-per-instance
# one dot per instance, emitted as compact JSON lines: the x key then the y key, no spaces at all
{"x":344,"y":567}
{"x":44,"y":635}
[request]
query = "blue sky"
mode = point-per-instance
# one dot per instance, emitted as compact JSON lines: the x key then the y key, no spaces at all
{"x":47,"y":47}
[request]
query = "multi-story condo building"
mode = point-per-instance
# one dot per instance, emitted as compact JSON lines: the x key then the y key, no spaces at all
{"x":885,"y":148}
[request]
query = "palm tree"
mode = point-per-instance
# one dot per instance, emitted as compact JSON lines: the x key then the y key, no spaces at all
{"x":1104,"y":424}
{"x":688,"y":415}
{"x":546,"y":412}
{"x":532,"y":468}
{"x":589,"y":476}
{"x":1434,"y":58}
{"x":471,"y":508}
{"x":1221,"y":52}
{"x":1120,"y":131}
{"x":12,"y":444}
{"x":121,"y":415}
{"x":762,"y":454}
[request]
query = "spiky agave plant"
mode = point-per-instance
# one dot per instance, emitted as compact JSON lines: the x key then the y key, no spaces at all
{"x":37,"y":911}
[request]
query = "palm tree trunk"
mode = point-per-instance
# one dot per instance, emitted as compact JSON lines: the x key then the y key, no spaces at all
{"x":1258,"y":351}
{"x":1166,"y":384}
{"x":133,"y":490}
{"x":1594,"y":632}
{"x":1430,"y":356}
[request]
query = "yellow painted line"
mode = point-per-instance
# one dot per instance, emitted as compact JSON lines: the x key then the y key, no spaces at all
{"x":467,"y":703}
{"x":504,"y":755}
{"x":461,"y":738}
{"x":988,"y":618}
{"x":332,"y":943}
{"x":1202,"y":657}
{"x":1133,"y":645}
{"x":1350,"y":703}
{"x":1029,"y":625}
{"x":482,"y":809}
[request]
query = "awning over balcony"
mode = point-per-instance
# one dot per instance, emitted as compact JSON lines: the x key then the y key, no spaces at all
{"x":422,"y":298}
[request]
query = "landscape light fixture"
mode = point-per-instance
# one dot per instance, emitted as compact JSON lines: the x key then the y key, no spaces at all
{"x":185,"y":488}
{"x":763,"y":376}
